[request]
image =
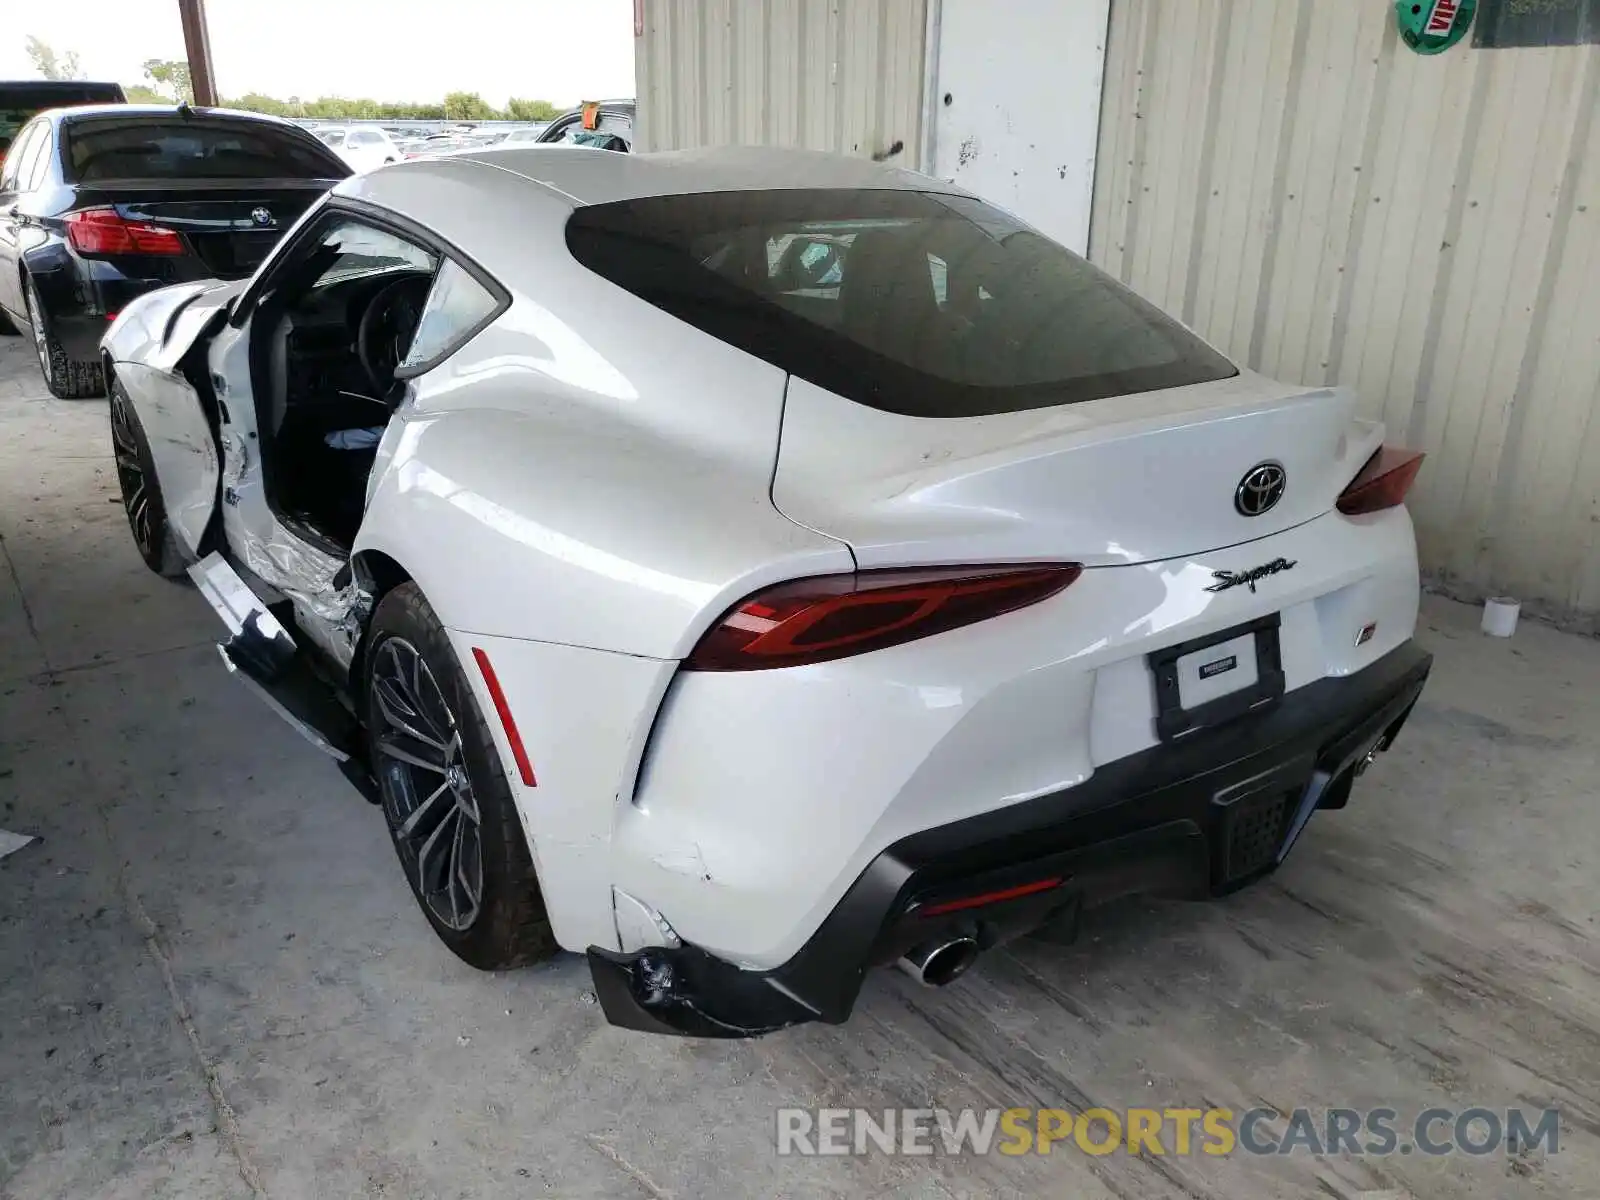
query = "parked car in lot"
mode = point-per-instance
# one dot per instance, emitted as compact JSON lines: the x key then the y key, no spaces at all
{"x":523,"y":136}
{"x":22,"y":99}
{"x":753,"y":566}
{"x":364,"y":147}
{"x":103,"y":203}
{"x":440,"y":143}
{"x":607,"y":125}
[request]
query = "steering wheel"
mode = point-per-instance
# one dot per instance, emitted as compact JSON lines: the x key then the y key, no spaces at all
{"x":387,"y":327}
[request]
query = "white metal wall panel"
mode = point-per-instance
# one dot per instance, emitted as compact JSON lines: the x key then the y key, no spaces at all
{"x":1328,"y":206}
{"x":842,"y":75}
{"x":1017,"y":104}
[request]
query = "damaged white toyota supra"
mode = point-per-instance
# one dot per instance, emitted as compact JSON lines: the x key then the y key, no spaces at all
{"x":750,"y":567}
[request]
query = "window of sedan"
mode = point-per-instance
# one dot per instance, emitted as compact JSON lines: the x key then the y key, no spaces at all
{"x":37,"y":168}
{"x":186,"y":148}
{"x":19,"y":161}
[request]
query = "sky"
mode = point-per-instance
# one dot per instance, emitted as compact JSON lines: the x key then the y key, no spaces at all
{"x":403,"y":50}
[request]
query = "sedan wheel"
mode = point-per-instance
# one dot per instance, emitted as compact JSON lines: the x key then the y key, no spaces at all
{"x":450,"y":809}
{"x":67,"y":378}
{"x":427,"y":792}
{"x":36,"y":325}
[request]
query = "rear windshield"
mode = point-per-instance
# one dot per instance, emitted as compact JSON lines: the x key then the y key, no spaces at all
{"x":916,"y":303}
{"x":157,"y":148}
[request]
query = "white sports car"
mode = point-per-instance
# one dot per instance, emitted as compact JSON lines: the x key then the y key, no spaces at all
{"x":748,"y":567}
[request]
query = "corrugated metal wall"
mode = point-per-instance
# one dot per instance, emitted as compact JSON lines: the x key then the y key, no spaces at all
{"x":1330,"y":207}
{"x":842,"y":75}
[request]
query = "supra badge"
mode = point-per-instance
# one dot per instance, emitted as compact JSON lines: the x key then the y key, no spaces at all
{"x":1233,"y":579}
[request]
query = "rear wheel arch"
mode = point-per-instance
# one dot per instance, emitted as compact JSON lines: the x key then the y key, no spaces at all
{"x":376,"y":574}
{"x":66,"y":378}
{"x":508,"y":925}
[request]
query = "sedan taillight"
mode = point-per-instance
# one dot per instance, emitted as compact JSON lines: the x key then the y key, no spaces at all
{"x":833,"y":616}
{"x":106,"y":231}
{"x":1383,"y":482}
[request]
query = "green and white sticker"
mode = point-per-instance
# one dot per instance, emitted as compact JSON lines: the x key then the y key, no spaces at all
{"x":1433,"y":26}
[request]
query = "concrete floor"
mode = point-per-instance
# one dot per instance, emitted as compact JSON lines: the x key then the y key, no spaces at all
{"x":214,"y":983}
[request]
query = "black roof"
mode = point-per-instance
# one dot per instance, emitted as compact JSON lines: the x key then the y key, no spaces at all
{"x":85,"y":112}
{"x":66,"y":87}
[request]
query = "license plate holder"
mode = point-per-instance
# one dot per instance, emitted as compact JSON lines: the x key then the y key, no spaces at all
{"x":1254,"y":644}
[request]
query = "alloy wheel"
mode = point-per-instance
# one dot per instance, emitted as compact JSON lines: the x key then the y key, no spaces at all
{"x":131,"y":477}
{"x":41,"y":341}
{"x":427,"y":792}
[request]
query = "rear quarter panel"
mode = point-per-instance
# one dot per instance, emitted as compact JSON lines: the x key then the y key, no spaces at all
{"x":587,"y":470}
{"x":579,"y":491}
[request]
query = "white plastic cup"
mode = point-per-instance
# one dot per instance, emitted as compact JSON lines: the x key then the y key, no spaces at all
{"x":1500,"y":616}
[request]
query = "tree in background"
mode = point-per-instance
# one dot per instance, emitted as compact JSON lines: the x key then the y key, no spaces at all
{"x":467,"y":106}
{"x":48,"y":64}
{"x":256,"y":102}
{"x":531,"y":110}
{"x":171,"y":77}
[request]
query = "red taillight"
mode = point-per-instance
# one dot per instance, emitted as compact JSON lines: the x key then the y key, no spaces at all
{"x":832,"y":616}
{"x":1383,"y":482}
{"x":503,"y":709}
{"x":105,"y":231}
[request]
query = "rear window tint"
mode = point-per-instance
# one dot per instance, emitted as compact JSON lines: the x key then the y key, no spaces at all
{"x":194,"y":149}
{"x":916,"y":303}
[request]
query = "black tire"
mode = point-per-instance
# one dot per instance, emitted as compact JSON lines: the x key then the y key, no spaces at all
{"x":508,"y":927}
{"x":67,"y":378}
{"x":153,"y":536}
{"x":8,"y":327}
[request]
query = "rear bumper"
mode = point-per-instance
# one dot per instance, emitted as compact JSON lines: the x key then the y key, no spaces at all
{"x":1199,"y":816}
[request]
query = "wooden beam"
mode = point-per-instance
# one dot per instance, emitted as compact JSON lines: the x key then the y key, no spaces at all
{"x":197,"y":42}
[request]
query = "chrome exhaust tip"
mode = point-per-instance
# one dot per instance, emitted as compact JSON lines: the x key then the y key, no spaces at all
{"x":934,"y":964}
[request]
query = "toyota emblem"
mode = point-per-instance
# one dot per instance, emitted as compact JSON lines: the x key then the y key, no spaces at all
{"x":1260,"y":489}
{"x":261,"y":216}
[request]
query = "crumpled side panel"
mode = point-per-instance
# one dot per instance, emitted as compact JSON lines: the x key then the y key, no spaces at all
{"x":331,"y":616}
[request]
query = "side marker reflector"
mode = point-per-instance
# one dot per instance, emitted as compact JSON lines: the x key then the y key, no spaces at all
{"x":507,"y":722}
